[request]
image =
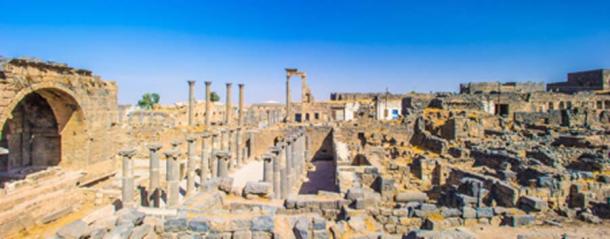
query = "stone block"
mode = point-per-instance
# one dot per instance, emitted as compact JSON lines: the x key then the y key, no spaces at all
{"x":74,"y":230}
{"x":141,"y":231}
{"x":199,"y":225}
{"x":468,"y":213}
{"x":519,"y":220}
{"x":532,"y":204}
{"x":262,"y":223}
{"x":450,"y":212}
{"x":405,"y":197}
{"x":225,"y":184}
{"x":261,"y":189}
{"x":485,"y":212}
{"x":130,"y":215}
{"x":175,"y":225}
{"x":319,"y":223}
{"x":261,"y":235}
{"x":301,"y":228}
{"x":321,"y":234}
{"x":120,"y":231}
{"x":243,"y":234}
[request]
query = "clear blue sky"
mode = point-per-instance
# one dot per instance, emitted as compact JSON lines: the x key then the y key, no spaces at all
{"x":155,"y":46}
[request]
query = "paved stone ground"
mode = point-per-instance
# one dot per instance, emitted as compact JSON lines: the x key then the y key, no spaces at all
{"x":252,"y":171}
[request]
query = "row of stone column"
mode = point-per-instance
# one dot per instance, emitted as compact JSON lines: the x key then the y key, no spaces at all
{"x":220,"y":151}
{"x":285,"y":165}
{"x":273,"y":117}
{"x":208,"y":103}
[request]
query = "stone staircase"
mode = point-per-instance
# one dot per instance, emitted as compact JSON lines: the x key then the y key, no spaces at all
{"x":38,"y":199}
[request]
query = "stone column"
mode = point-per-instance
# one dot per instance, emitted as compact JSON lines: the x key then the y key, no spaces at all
{"x":191,"y":101}
{"x":285,"y":170}
{"x":289,"y":163}
{"x":221,"y":146}
{"x":154,"y":176}
{"x":230,"y":148}
{"x":268,"y":168}
{"x":277,"y":166}
{"x":204,"y":168}
{"x":228,"y":105}
{"x":241,"y":105}
{"x":268,"y":114}
{"x":208,"y":102}
{"x":127,"y":179}
{"x":173,"y":183}
{"x":238,"y":156}
{"x":176,"y":146}
{"x":190,"y":165}
{"x":223,"y":163}
{"x":288,"y":99}
{"x":213,"y":160}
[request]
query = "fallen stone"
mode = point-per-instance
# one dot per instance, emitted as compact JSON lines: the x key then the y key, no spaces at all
{"x":74,"y":230}
{"x":414,"y":196}
{"x":301,"y":228}
{"x":532,"y":204}
{"x":175,"y":225}
{"x":225,"y":184}
{"x":130,"y":215}
{"x":141,"y":232}
{"x":520,"y":220}
{"x":261,"y":189}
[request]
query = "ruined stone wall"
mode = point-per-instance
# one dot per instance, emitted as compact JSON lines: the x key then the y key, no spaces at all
{"x":489,"y":87}
{"x":84,"y":105}
{"x":583,"y":81}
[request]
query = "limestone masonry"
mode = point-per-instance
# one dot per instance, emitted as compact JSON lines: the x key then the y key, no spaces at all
{"x":499,"y":160}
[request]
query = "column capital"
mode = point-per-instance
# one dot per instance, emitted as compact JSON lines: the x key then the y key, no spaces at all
{"x":154,"y":147}
{"x":207,"y":83}
{"x":268,"y":157}
{"x":127,"y":153}
{"x":229,"y":84}
{"x":171,"y":154}
{"x":206,"y":134}
{"x":240,"y":85}
{"x":191,"y":82}
{"x":221,"y":154}
{"x":191,"y":138}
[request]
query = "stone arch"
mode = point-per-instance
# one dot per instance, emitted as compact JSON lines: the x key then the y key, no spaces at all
{"x":67,"y":146}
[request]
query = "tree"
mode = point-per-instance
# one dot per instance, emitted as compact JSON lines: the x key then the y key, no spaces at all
{"x":214,"y":97}
{"x":148,"y":101}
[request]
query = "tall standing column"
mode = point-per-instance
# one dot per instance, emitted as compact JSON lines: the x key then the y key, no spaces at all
{"x":173,"y":185}
{"x":213,"y":160}
{"x":204,"y":168}
{"x":277,"y":168}
{"x":238,"y":156}
{"x":288,"y":99}
{"x":127,"y":180}
{"x":241,"y":105}
{"x":290,"y":162}
{"x":208,"y":102}
{"x":191,"y":101}
{"x":268,"y":168}
{"x":223,"y":163}
{"x":228,"y":105}
{"x":176,"y":146}
{"x":285,"y":170}
{"x":154,"y":175}
{"x":190,"y":165}
{"x":268,"y":114}
{"x":231,"y":148}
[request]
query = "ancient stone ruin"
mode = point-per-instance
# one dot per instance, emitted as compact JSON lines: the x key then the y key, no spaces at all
{"x":495,"y":160}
